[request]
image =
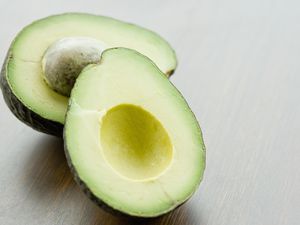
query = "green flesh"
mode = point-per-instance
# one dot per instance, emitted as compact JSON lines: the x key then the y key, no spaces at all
{"x":131,"y":138}
{"x":24,"y":68}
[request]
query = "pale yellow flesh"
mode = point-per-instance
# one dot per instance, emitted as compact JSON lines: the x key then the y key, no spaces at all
{"x":125,"y":86}
{"x":24,"y":70}
{"x":134,"y":143}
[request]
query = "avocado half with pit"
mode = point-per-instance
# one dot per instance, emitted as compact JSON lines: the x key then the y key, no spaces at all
{"x":46,"y":57}
{"x":131,"y":140}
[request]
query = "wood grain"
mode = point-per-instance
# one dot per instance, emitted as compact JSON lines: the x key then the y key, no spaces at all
{"x":238,"y":69}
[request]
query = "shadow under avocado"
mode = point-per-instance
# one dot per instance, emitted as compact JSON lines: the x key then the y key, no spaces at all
{"x":180,"y":216}
{"x":47,"y":170}
{"x":51,"y":185}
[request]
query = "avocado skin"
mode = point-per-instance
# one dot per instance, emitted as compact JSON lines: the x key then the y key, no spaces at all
{"x":22,"y":112}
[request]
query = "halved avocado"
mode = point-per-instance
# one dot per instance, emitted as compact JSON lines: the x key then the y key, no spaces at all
{"x":131,"y":140}
{"x":24,"y":85}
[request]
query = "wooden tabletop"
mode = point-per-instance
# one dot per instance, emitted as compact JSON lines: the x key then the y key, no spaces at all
{"x":239,"y":69}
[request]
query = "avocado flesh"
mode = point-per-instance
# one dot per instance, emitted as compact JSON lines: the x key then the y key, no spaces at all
{"x":131,"y":140}
{"x":22,"y":71}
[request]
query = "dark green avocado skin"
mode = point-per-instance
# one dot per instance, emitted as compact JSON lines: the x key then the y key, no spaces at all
{"x":23,"y":113}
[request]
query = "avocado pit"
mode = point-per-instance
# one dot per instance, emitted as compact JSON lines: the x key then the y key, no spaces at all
{"x":64,"y":60}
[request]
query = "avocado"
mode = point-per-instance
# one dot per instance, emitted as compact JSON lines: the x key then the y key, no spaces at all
{"x":131,"y":140}
{"x":47,"y":56}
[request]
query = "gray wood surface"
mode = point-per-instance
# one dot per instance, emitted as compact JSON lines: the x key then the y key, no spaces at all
{"x":239,"y":69}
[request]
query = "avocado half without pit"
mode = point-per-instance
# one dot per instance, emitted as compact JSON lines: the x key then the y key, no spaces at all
{"x":47,"y":56}
{"x":131,"y":140}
